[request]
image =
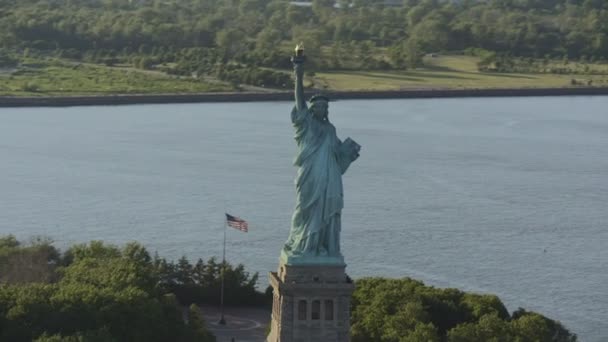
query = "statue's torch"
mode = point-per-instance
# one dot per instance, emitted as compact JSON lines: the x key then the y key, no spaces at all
{"x":298,"y":56}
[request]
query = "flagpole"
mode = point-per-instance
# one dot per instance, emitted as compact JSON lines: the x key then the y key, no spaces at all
{"x":222,"y":320}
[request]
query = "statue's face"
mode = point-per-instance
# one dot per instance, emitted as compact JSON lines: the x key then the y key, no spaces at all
{"x":320,"y":109}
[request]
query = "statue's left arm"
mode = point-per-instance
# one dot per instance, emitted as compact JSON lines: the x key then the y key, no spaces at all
{"x":348,"y":152}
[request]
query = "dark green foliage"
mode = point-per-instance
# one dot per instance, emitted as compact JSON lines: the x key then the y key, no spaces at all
{"x":7,"y":59}
{"x":391,"y":310}
{"x":194,"y":36}
{"x":8,"y":243}
{"x":255,"y":76}
{"x":554,"y":331}
{"x":492,"y":62}
{"x":94,"y":292}
{"x":34,"y":262}
{"x":201,"y":282}
{"x":528,"y":327}
{"x":102,"y":293}
{"x":100,"y":335}
{"x":197,"y":326}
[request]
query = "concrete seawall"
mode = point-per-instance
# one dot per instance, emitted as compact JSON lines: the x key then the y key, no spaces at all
{"x":100,"y":100}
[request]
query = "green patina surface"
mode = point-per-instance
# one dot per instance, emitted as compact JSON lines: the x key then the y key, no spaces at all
{"x":322,"y":159}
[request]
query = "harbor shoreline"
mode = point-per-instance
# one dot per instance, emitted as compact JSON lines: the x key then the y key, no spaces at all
{"x":132,"y":99}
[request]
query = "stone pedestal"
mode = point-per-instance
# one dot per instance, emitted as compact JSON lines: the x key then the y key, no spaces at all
{"x":311,"y":303}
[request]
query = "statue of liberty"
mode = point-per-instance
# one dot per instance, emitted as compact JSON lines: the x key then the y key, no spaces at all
{"x":321,"y":160}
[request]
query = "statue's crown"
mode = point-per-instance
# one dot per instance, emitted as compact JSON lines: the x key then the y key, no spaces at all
{"x":318,"y":97}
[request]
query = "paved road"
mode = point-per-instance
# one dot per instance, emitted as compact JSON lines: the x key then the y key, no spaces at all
{"x":243,"y":324}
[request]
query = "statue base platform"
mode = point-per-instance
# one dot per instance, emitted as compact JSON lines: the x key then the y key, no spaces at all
{"x":311,"y":302}
{"x":288,"y":259}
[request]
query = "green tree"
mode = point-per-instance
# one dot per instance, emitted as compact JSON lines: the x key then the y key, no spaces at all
{"x":481,"y":305}
{"x":230,"y":42}
{"x":531,"y":326}
{"x":389,"y":310}
{"x":197,"y":325}
{"x":488,"y":328}
{"x":103,"y":294}
{"x":413,"y":53}
{"x":35,"y":262}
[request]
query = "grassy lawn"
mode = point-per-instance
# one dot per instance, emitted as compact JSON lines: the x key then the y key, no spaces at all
{"x":453,"y":72}
{"x":59,"y":77}
{"x":44,"y":77}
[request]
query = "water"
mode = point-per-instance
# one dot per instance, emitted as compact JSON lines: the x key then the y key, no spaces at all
{"x":505,"y":195}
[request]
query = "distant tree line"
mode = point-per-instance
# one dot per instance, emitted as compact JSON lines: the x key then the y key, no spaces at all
{"x":506,"y":63}
{"x":209,"y":37}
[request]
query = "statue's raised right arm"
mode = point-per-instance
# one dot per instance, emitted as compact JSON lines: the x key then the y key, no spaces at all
{"x":299,"y":91}
{"x":298,"y":68}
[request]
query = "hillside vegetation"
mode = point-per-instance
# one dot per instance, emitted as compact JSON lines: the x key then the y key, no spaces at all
{"x":215,"y":45}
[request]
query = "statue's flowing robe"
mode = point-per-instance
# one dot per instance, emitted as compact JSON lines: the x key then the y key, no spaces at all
{"x":315,"y":225}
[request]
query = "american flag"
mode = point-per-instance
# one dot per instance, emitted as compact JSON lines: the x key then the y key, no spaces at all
{"x":237,"y":222}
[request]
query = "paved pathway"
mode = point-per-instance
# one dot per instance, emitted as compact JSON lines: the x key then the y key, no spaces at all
{"x":243,"y":324}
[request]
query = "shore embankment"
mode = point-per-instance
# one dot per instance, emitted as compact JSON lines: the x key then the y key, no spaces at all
{"x":129,"y":99}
